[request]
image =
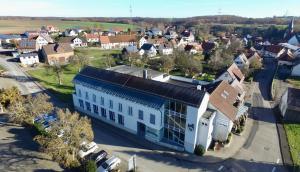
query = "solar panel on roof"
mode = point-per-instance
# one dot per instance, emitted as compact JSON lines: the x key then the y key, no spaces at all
{"x":191,"y":97}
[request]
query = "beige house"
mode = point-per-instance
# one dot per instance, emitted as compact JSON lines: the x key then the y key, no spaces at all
{"x":57,"y":53}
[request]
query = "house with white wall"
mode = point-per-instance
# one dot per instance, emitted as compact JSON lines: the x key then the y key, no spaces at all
{"x":148,"y":50}
{"x":71,"y":32}
{"x":223,"y":99}
{"x":42,"y":40}
{"x":92,"y":38}
{"x":165,"y":49}
{"x":117,"y":42}
{"x":28,"y":59}
{"x":187,"y":36}
{"x":234,"y":76}
{"x":166,"y":114}
{"x":74,"y":41}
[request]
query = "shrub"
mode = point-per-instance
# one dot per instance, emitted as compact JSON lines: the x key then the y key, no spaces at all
{"x":229,"y":138}
{"x":199,"y":150}
{"x":238,"y":130}
{"x":40,"y":129}
{"x":89,"y":166}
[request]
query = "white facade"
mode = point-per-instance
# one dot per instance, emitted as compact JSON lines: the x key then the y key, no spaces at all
{"x":29,"y":59}
{"x":118,"y":45}
{"x":127,"y":116}
{"x":150,"y":53}
{"x":165,"y":50}
{"x":40,"y":41}
{"x":78,"y":43}
{"x":206,"y":128}
{"x":71,"y":33}
{"x":222,"y":125}
{"x":142,"y":42}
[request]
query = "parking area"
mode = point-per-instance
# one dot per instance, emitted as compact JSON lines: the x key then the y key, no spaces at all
{"x":18,"y":152}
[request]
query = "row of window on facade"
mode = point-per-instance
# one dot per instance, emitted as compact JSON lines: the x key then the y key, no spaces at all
{"x":112,"y":114}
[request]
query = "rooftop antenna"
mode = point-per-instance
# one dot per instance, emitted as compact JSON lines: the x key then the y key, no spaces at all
{"x":286,"y":13}
{"x":131,"y":11}
{"x":219,"y":14}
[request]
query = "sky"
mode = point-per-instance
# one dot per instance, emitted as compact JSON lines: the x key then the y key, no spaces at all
{"x":146,"y":8}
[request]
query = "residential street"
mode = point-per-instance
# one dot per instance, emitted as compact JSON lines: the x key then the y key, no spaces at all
{"x":261,"y":152}
{"x":26,"y":85}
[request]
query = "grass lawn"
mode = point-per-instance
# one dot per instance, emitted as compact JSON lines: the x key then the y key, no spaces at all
{"x":64,"y":92}
{"x":206,"y":77}
{"x":295,"y":81}
{"x":49,"y":81}
{"x":96,"y":55}
{"x":293,"y":134}
{"x":19,"y":26}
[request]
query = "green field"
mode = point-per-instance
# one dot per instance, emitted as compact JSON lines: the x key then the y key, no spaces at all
{"x":293,"y":134}
{"x":64,"y":92}
{"x":20,"y":26}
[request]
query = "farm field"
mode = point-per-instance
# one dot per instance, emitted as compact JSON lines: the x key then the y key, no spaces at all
{"x":20,"y":26}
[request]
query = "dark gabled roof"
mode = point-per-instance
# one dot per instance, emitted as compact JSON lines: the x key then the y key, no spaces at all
{"x":144,"y":86}
{"x":28,"y":54}
{"x":146,"y":46}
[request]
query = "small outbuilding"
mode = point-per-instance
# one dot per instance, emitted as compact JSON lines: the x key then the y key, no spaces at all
{"x":290,"y":105}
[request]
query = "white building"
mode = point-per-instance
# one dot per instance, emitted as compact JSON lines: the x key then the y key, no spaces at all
{"x":43,"y":39}
{"x":28,"y":59}
{"x":166,"y":114}
{"x":165,"y":49}
{"x":148,"y":50}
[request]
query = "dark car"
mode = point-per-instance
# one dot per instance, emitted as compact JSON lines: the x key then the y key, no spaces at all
{"x":99,"y":157}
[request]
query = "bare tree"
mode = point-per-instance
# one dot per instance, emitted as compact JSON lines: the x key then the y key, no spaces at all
{"x":9,"y":96}
{"x":167,"y":63}
{"x":26,"y":109}
{"x":75,"y":130}
{"x":187,"y":63}
{"x":79,"y":61}
{"x":109,"y":60}
{"x":58,"y":69}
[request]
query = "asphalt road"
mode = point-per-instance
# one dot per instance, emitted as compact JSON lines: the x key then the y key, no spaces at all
{"x":261,"y":151}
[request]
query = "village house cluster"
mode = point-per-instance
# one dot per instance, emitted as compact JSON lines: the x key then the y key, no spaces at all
{"x":172,"y":111}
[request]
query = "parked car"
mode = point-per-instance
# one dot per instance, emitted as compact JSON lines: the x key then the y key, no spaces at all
{"x":111,"y":164}
{"x":99,"y":157}
{"x":87,"y":149}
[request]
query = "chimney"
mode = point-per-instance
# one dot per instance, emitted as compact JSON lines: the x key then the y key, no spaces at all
{"x":145,"y":74}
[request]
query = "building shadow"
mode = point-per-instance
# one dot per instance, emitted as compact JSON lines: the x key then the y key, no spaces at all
{"x":228,"y":165}
{"x":20,"y":78}
{"x":19,"y":149}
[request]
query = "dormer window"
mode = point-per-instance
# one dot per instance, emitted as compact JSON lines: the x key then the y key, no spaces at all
{"x":225,"y":94}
